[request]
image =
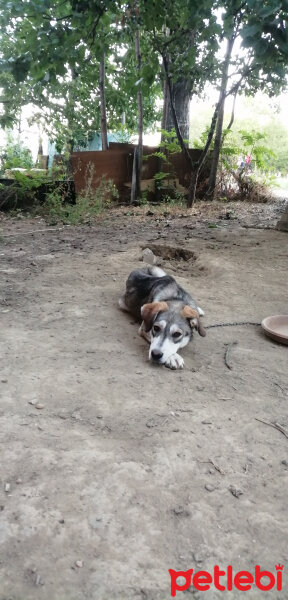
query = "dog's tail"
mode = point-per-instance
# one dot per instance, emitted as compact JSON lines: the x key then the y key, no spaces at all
{"x":156,"y":271}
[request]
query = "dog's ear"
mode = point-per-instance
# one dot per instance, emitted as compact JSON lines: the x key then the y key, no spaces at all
{"x":192,"y":315}
{"x":149,"y":311}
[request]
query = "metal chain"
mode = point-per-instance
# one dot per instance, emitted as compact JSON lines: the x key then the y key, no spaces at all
{"x":232,"y":324}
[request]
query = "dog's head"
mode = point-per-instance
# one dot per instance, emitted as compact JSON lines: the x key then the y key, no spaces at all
{"x":170,"y":328}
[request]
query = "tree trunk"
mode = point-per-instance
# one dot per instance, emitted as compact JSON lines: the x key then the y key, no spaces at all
{"x":219,"y":127}
{"x":181,"y":92}
{"x":195,"y":167}
{"x":173,"y":111}
{"x":165,"y":107}
{"x":181,"y":99}
{"x":192,"y":187}
{"x":71,"y":123}
{"x":136,"y":189}
{"x":140,"y":107}
{"x":135,"y":181}
{"x":104,"y":137}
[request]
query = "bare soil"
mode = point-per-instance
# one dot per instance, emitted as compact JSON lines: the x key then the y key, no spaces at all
{"x":114,"y":470}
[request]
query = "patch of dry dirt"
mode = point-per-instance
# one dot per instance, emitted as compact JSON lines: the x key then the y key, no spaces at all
{"x":112,"y":470}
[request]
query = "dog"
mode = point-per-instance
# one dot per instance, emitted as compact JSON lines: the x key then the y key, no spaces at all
{"x":169,"y":314}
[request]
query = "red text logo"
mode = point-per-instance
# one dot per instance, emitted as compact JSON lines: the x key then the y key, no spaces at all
{"x":226,"y":579}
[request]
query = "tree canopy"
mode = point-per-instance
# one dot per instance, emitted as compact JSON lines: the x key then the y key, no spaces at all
{"x":51,"y":50}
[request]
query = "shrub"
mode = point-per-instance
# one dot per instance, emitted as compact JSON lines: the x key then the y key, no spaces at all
{"x":250,"y":182}
{"x":90,"y":203}
{"x":21,"y":192}
{"x":15,"y":154}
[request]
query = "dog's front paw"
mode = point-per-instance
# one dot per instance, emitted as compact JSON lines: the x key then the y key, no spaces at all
{"x":174,"y":362}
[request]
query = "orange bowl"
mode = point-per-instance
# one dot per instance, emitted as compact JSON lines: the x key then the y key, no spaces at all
{"x":277,"y":328}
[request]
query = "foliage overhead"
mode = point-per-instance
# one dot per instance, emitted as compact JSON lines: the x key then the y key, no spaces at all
{"x":50,"y":53}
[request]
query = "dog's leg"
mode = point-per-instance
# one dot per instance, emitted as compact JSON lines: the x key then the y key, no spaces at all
{"x":175,"y":362}
{"x":122,"y":305}
{"x":143,"y":333}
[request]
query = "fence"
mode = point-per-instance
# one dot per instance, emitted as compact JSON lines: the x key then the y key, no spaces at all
{"x":117,"y":163}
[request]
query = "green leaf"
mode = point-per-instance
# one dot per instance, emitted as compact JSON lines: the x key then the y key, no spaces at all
{"x":20,"y":68}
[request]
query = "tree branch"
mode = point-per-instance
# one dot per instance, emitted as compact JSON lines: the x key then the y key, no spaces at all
{"x":50,"y":18}
{"x":232,"y":112}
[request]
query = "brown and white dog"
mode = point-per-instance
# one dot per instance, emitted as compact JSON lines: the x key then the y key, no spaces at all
{"x":169,"y":314}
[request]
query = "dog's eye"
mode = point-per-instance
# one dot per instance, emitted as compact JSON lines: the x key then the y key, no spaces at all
{"x":156,"y":328}
{"x":176,"y":335}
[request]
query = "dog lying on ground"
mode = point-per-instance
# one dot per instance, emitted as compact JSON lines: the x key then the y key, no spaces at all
{"x":169,"y":314}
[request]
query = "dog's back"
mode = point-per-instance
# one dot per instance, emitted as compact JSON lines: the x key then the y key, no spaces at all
{"x":151,"y":284}
{"x":139,"y":288}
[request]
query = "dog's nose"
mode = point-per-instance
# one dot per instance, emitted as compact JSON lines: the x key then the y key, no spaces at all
{"x":156,"y":354}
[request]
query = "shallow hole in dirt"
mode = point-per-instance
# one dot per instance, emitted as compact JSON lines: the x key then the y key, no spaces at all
{"x":171,"y":253}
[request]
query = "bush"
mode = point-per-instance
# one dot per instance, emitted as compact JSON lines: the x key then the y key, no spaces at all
{"x":250,"y":182}
{"x":90,"y":203}
{"x":21,"y":193}
{"x":14,"y":155}
{"x":242,"y":185}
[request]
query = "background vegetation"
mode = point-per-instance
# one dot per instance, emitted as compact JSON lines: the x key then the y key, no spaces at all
{"x":93,"y":64}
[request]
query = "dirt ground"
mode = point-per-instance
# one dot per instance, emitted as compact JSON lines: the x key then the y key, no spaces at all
{"x":114,"y":470}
